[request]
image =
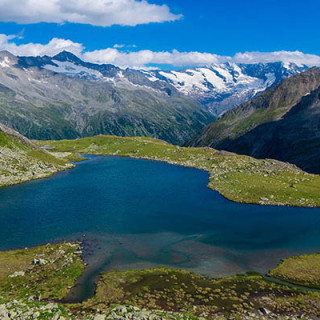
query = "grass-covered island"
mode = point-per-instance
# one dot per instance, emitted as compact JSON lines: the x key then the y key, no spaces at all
{"x":34,"y":282}
{"x":302,"y":270}
{"x":238,"y":178}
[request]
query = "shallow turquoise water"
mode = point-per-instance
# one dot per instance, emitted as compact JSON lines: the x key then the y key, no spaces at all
{"x":138,"y":213}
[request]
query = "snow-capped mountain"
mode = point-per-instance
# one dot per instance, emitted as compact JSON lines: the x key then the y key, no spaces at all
{"x":222,"y":87}
{"x":68,"y":64}
{"x":64,"y":98}
{"x":218,"y":87}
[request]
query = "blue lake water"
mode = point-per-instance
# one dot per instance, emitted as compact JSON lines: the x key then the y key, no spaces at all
{"x":133,"y":213}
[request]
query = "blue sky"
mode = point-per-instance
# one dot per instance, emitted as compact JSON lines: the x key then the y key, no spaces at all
{"x":217,"y":27}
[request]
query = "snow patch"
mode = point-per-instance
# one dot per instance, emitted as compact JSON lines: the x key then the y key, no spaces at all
{"x":69,"y":68}
{"x":5,"y":63}
{"x":150,"y":75}
{"x":216,"y":79}
{"x":187,"y":81}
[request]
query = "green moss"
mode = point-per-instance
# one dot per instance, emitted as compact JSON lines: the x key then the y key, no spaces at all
{"x":168,"y":290}
{"x":179,"y":290}
{"x":52,"y":279}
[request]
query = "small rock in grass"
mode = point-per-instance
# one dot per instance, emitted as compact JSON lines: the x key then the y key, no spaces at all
{"x":265,"y":311}
{"x":16,"y":274}
{"x":56,"y":316}
{"x":36,"y":315}
{"x":40,"y":262}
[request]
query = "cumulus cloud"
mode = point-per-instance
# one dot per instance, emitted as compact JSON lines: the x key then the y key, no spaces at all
{"x":196,"y":59}
{"x":95,"y":12}
{"x":296,"y":57}
{"x":121,"y":56}
{"x":36,"y":49}
{"x":145,"y":57}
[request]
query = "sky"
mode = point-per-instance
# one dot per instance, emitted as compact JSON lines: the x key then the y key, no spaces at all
{"x":178,"y":33}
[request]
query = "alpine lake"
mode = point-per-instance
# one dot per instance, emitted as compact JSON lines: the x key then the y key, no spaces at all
{"x":134,"y":214}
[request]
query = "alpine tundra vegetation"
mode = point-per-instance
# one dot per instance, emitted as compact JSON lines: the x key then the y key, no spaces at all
{"x":34,"y":282}
{"x":21,"y":160}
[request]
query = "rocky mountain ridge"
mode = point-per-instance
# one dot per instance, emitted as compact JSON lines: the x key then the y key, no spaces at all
{"x":44,"y":104}
{"x":222,"y":87}
{"x":218,"y":87}
{"x":282,"y":123}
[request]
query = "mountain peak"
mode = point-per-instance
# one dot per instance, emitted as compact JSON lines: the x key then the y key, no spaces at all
{"x":64,"y":56}
{"x":6,"y":53}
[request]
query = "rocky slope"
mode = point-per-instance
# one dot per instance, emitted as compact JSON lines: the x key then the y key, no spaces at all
{"x":282,"y":123}
{"x":21,"y":160}
{"x":295,"y":138}
{"x":47,"y":104}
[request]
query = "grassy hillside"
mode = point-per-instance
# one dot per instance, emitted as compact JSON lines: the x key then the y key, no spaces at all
{"x":21,"y":160}
{"x":238,"y":178}
{"x":294,"y":138}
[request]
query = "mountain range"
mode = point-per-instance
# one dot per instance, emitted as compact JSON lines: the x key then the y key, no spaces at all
{"x":282,"y":123}
{"x":45,"y":104}
{"x":64,"y":97}
{"x":218,"y":87}
{"x":221,"y":87}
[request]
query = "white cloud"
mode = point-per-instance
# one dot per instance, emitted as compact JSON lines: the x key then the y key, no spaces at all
{"x":121,"y":46}
{"x":297,"y":57}
{"x":181,"y":59}
{"x":95,"y":12}
{"x":145,"y":57}
{"x":138,"y":59}
{"x":36,"y":49}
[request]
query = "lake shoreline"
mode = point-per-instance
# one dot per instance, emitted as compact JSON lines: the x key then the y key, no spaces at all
{"x":73,"y":164}
{"x":238,"y":178}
